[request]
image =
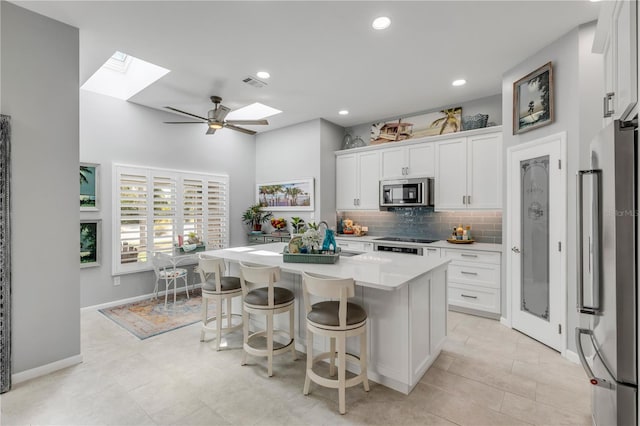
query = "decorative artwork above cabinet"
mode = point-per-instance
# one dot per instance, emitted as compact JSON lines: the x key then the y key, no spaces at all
{"x":429,"y":124}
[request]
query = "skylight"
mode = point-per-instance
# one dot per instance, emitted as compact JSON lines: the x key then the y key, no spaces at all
{"x":122,"y":76}
{"x":255,"y":111}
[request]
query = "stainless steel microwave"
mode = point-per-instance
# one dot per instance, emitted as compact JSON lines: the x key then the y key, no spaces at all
{"x":416,"y":192}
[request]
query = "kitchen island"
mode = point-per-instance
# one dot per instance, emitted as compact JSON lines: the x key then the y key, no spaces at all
{"x":405,"y":298}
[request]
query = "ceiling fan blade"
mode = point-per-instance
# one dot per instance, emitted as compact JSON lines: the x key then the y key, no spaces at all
{"x":248,"y":122}
{"x":211,"y":131}
{"x":219,"y":113}
{"x":239,"y":129}
{"x":186,"y":113}
{"x":182,"y":122}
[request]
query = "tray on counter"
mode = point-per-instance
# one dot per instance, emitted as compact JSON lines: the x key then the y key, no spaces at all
{"x":452,"y":241}
{"x":323,"y":257}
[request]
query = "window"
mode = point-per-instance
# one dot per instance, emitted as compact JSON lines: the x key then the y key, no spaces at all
{"x":153,"y":206}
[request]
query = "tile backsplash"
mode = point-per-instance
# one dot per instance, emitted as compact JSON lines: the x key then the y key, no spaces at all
{"x":423,"y":222}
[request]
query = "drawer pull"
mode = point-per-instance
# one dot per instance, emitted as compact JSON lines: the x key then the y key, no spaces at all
{"x":467,"y":296}
{"x":468,"y":273}
{"x":468,"y":255}
{"x":431,"y":249}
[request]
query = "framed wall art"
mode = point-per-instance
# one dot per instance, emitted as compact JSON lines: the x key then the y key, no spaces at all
{"x":434,"y":123}
{"x":89,"y":187}
{"x":292,"y":195}
{"x":533,"y":100}
{"x":90,"y":240}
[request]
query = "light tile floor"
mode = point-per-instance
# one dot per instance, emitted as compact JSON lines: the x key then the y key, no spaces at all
{"x":487,"y":374}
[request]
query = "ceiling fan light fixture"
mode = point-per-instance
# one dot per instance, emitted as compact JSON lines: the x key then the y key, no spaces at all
{"x":215,"y":125}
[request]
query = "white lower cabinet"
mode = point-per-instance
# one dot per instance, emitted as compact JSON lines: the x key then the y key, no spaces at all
{"x":354,"y":246}
{"x":431,"y":252}
{"x":473,"y":280}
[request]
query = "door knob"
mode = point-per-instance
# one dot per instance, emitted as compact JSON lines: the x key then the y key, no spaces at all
{"x":515,"y":249}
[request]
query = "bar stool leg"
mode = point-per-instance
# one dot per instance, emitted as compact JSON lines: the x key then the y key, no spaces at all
{"x":342,"y":379}
{"x":229,"y":312}
{"x":363,"y":360}
{"x":332,"y":356}
{"x":293,"y":344}
{"x":205,"y":314}
{"x":175,"y":290}
{"x":218,"y":322}
{"x":245,"y":332}
{"x":307,"y":379}
{"x":270,"y":343}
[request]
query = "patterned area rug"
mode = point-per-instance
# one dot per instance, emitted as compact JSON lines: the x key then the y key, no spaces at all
{"x":149,"y":317}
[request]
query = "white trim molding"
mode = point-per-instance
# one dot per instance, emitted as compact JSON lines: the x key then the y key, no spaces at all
{"x":23,"y":376}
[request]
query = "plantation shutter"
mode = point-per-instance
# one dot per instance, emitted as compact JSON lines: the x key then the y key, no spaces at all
{"x":164,"y":212}
{"x":193,"y":207}
{"x":132,"y":215}
{"x":217,"y":214}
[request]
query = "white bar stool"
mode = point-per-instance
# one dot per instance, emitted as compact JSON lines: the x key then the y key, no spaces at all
{"x":268,"y":300}
{"x":336,"y":319}
{"x":218,"y":287}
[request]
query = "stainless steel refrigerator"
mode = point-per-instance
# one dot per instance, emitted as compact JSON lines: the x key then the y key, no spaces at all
{"x":607,"y":274}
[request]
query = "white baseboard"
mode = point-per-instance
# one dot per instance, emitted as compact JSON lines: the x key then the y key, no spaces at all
{"x":505,"y":322}
{"x":572,"y":356}
{"x":129,"y":300}
{"x":23,"y":376}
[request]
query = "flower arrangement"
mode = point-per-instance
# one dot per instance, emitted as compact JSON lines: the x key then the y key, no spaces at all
{"x":279,"y":223}
{"x":312,"y":238}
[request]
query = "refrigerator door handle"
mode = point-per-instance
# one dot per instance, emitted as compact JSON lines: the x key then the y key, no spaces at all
{"x":596,"y":381}
{"x":593,"y":251}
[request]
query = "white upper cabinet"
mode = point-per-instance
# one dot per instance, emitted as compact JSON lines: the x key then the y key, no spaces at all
{"x":408,"y":161}
{"x":357,"y":181}
{"x":617,"y":39}
{"x":469,"y":173}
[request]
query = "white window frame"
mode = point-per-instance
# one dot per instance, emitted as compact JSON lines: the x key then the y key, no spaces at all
{"x":210,"y":202}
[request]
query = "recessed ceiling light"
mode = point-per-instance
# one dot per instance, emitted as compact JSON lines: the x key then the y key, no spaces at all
{"x":460,"y":82}
{"x":381,"y":23}
{"x":263,"y":74}
{"x":343,"y":112}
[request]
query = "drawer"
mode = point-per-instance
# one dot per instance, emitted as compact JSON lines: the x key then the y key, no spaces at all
{"x":355,"y":245}
{"x":431,"y":252}
{"x":272,"y":239}
{"x":256,"y":239}
{"x":485,"y":275}
{"x":480,"y":298}
{"x":473,"y":256}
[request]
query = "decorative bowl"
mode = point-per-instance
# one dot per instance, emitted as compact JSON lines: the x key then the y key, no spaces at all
{"x":189,"y":247}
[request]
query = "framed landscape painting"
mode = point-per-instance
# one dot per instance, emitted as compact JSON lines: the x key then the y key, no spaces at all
{"x":434,"y":123}
{"x":293,"y":195}
{"x":90,"y":236}
{"x":533,"y":100}
{"x":89,"y":184}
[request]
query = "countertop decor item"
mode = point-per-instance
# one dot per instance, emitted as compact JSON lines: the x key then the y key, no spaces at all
{"x":324,"y":257}
{"x":452,"y":241}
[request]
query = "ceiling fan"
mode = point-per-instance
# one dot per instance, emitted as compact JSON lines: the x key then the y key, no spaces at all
{"x":216,"y":119}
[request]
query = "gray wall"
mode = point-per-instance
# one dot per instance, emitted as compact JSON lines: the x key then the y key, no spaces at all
{"x":40,"y":92}
{"x":491,"y":105}
{"x":114,"y":131}
{"x":302,"y":151}
{"x":423,"y":222}
{"x":578,"y":78}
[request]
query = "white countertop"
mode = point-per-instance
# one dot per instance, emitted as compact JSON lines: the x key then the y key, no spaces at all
{"x":437,"y":244}
{"x":382,"y":270}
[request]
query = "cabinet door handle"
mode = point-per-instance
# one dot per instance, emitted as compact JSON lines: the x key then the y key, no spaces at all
{"x":608,"y":105}
{"x":464,"y":199}
{"x":467,"y":296}
{"x":468,"y":255}
{"x":468,"y":273}
{"x":468,"y":199}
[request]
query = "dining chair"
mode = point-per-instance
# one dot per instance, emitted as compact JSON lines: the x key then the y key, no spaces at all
{"x":262,"y":297}
{"x":218,"y":287}
{"x":166,"y":271}
{"x":336,"y":319}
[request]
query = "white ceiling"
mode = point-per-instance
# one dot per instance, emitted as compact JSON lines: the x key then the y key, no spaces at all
{"x":323,"y":56}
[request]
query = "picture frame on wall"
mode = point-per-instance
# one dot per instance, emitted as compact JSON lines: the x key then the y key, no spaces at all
{"x":533,"y":100}
{"x":90,"y":240}
{"x":291,"y":195}
{"x":89,"y":187}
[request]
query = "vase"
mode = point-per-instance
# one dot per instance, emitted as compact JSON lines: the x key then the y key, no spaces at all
{"x":257,"y":227}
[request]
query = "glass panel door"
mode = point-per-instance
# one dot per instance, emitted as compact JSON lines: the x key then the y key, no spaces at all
{"x":534,"y":178}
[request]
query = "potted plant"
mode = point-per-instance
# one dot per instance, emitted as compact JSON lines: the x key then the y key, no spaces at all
{"x":254,"y":216}
{"x":297,"y":223}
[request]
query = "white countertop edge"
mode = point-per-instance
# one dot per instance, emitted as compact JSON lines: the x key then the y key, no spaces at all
{"x":438,"y":244}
